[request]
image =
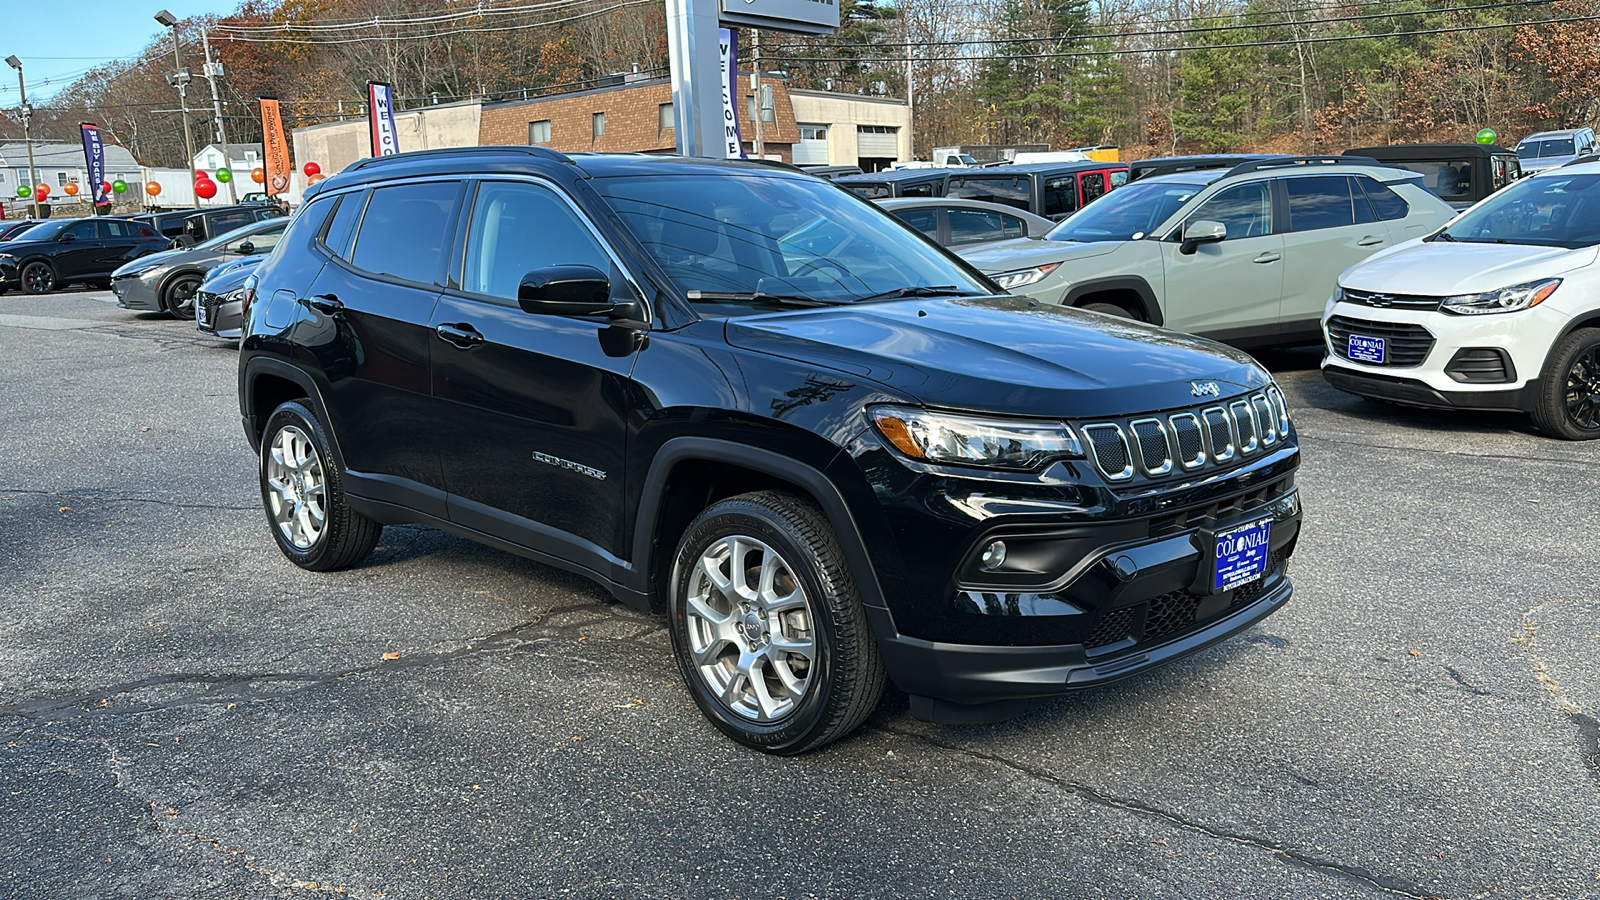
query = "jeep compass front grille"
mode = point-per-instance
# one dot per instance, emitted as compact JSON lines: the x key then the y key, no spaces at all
{"x":1189,"y":440}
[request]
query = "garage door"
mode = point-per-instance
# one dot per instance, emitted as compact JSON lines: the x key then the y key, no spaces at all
{"x":813,"y":147}
{"x":878,"y":140}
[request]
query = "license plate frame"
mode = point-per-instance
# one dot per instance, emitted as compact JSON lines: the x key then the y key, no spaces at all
{"x":1368,"y":349}
{"x":1239,"y":555}
{"x":199,"y":313}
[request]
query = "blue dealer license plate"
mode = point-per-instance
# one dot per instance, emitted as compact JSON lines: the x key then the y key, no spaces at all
{"x":1366,"y":349}
{"x":1242,"y":554}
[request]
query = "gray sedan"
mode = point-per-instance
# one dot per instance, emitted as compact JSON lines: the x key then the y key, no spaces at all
{"x":954,"y":222}
{"x":166,"y":282}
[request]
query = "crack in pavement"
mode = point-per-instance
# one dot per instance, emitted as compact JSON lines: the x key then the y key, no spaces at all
{"x":1588,"y":728}
{"x":1083,"y":791}
{"x":93,"y":494}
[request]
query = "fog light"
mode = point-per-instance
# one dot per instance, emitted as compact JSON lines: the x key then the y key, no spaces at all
{"x":994,"y":556}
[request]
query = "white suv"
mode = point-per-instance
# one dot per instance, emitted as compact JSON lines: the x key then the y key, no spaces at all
{"x":1499,"y":310}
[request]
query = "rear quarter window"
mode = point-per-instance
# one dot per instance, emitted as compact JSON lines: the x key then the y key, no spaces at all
{"x":1385,"y":202}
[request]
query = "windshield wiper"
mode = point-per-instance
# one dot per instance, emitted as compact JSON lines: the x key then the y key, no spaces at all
{"x":762,"y":297}
{"x":1444,"y":236}
{"x":925,"y":290}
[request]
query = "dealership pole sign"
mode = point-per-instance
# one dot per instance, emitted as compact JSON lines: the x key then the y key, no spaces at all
{"x":380,"y":117}
{"x":796,"y":16}
{"x":732,"y":146}
{"x":94,"y":155}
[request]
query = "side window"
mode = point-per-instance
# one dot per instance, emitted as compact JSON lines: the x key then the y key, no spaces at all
{"x":1359,"y":207}
{"x":83,"y":231}
{"x":1010,"y":191}
{"x":1060,"y":196}
{"x":222,"y":223}
{"x":146,"y":231}
{"x":516,"y":228}
{"x":969,"y":226}
{"x":120,"y":229}
{"x":264,"y":241}
{"x":871,"y":191}
{"x":1319,"y":201}
{"x":1245,"y":209}
{"x":923,"y":220}
{"x":1094,"y":185}
{"x":918,"y":190}
{"x":1119,"y":178}
{"x":336,"y":238}
{"x":402,"y":234}
{"x":1385,"y":202}
{"x":308,"y":221}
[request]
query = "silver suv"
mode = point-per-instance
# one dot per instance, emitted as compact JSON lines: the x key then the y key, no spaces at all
{"x":1553,"y":149}
{"x":1247,"y":255}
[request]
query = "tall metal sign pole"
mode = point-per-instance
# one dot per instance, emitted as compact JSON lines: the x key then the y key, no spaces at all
{"x":695,"y":57}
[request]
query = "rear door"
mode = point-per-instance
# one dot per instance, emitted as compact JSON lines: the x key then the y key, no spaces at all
{"x":534,"y":407}
{"x":366,"y":319}
{"x":1230,"y":289}
{"x":79,"y":251}
{"x":1332,"y":226}
{"x":121,"y":243}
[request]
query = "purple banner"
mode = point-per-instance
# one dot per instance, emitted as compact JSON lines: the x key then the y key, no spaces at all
{"x":94,"y":154}
{"x":732,"y":146}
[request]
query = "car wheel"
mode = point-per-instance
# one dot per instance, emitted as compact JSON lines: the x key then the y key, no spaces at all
{"x":768,"y":627}
{"x":177,"y":297}
{"x":1568,"y":403}
{"x":38,"y":277}
{"x":1110,"y":309}
{"x":303,"y":493}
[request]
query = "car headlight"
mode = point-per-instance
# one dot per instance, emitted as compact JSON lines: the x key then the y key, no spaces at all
{"x":939,"y":437}
{"x":1023,"y":277}
{"x":1507,"y":299}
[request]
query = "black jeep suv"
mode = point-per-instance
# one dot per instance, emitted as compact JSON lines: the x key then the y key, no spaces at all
{"x":828,"y":450}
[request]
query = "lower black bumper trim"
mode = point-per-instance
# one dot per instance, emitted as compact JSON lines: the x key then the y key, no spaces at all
{"x":1416,"y":393}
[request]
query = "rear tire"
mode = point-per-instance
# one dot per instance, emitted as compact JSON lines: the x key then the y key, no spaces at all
{"x":768,"y":628}
{"x":1110,"y":309}
{"x":177,"y":297}
{"x":302,"y":491}
{"x":1568,"y":401}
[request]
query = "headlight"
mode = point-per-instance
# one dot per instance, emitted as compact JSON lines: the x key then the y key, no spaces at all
{"x":974,"y":440}
{"x":1023,"y":277}
{"x":1509,"y":299}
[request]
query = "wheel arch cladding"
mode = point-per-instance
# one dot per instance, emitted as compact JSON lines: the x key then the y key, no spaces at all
{"x":1119,"y":291}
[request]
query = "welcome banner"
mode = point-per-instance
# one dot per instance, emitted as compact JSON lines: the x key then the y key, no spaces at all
{"x":380,"y":116}
{"x":275,"y":147}
{"x":94,"y":156}
{"x":728,"y":40}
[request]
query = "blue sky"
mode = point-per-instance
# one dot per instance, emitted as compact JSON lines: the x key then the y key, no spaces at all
{"x":58,"y":40}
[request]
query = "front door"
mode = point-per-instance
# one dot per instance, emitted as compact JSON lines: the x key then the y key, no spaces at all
{"x":1228,"y":290}
{"x":80,"y":252}
{"x":534,"y":406}
{"x":1331,"y":228}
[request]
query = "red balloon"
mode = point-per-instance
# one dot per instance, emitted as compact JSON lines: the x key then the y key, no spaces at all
{"x":41,"y":193}
{"x":206,"y":189}
{"x":105,"y":188}
{"x":311,"y":169}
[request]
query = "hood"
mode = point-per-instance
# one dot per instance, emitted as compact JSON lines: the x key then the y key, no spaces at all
{"x":185,"y":256}
{"x":1441,"y":268}
{"x":1529,"y":166}
{"x":1019,"y":253}
{"x":1004,"y":354}
{"x":230,"y":275}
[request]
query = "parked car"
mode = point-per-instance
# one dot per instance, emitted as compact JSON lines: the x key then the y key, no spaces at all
{"x":954,"y":222}
{"x":909,"y":182}
{"x":1458,"y":174}
{"x":1171,"y":165}
{"x":219,"y":302}
{"x":830,"y":452}
{"x":1500,"y":310}
{"x":168,"y":222}
{"x":832,"y":172}
{"x":166,"y":282}
{"x":1245,"y":255}
{"x":1051,"y":190}
{"x":186,"y":228}
{"x":61,"y":252}
{"x":1551,"y":149}
{"x":15,"y":228}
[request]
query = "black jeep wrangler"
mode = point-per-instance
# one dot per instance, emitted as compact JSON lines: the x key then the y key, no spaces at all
{"x":829,"y":451}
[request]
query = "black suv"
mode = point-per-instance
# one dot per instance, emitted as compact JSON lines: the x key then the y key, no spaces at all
{"x":827,"y":449}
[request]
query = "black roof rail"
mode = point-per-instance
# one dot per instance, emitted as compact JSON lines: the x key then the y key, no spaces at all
{"x":1279,"y":162}
{"x":448,"y":152}
{"x":1586,"y":158}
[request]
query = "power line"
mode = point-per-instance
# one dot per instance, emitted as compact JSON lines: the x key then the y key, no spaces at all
{"x":270,"y":38}
{"x":375,"y":22}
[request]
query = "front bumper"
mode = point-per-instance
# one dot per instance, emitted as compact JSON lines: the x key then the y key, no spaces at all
{"x":216,"y":315}
{"x":140,"y":291}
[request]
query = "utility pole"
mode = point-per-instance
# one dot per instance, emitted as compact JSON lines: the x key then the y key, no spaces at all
{"x":911,"y":108}
{"x":212,"y":71}
{"x":180,"y":79}
{"x":759,"y":144}
{"x":27,"y":135}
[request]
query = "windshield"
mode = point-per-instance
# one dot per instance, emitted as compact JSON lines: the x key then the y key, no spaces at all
{"x":1548,"y":211}
{"x":45,"y":231}
{"x":1126,"y":214}
{"x":1545,"y":148}
{"x":966,"y":159}
{"x":220,"y":241}
{"x":769,"y":237}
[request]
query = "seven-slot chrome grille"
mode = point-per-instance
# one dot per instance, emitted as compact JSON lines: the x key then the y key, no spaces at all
{"x":1188,"y":440}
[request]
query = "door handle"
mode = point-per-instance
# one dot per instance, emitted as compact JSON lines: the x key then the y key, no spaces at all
{"x":1369,"y":241}
{"x":327,"y":304}
{"x":1268,"y":257}
{"x":462,"y":336}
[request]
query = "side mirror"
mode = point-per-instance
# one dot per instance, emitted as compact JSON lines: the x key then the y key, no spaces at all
{"x":67,"y":238}
{"x":245,"y":248}
{"x":570,"y":291}
{"x":1201,"y":232}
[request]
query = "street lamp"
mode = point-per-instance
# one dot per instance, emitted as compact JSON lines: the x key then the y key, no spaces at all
{"x":27,"y":135}
{"x":180,"y":79}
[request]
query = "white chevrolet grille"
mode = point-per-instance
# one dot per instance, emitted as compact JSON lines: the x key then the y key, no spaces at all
{"x":1187,"y":440}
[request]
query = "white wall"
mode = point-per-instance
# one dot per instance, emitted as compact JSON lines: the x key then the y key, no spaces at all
{"x":843,"y":112}
{"x":335,"y":145}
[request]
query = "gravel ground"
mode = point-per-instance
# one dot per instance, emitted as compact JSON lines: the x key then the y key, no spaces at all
{"x":185,"y":714}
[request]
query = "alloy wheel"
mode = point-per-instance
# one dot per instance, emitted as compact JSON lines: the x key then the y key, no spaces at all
{"x":297,"y":487}
{"x":38,"y":278}
{"x":1583,"y":390}
{"x":180,"y":297}
{"x":750,"y":629}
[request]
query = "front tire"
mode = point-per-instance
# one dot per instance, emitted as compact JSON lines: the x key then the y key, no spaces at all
{"x":1110,"y":309}
{"x":177,"y":298}
{"x":38,"y":277}
{"x":1568,"y":402}
{"x":768,"y":628}
{"x":302,"y":492}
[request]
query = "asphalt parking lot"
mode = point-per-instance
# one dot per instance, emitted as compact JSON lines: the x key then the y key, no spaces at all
{"x":185,"y":714}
